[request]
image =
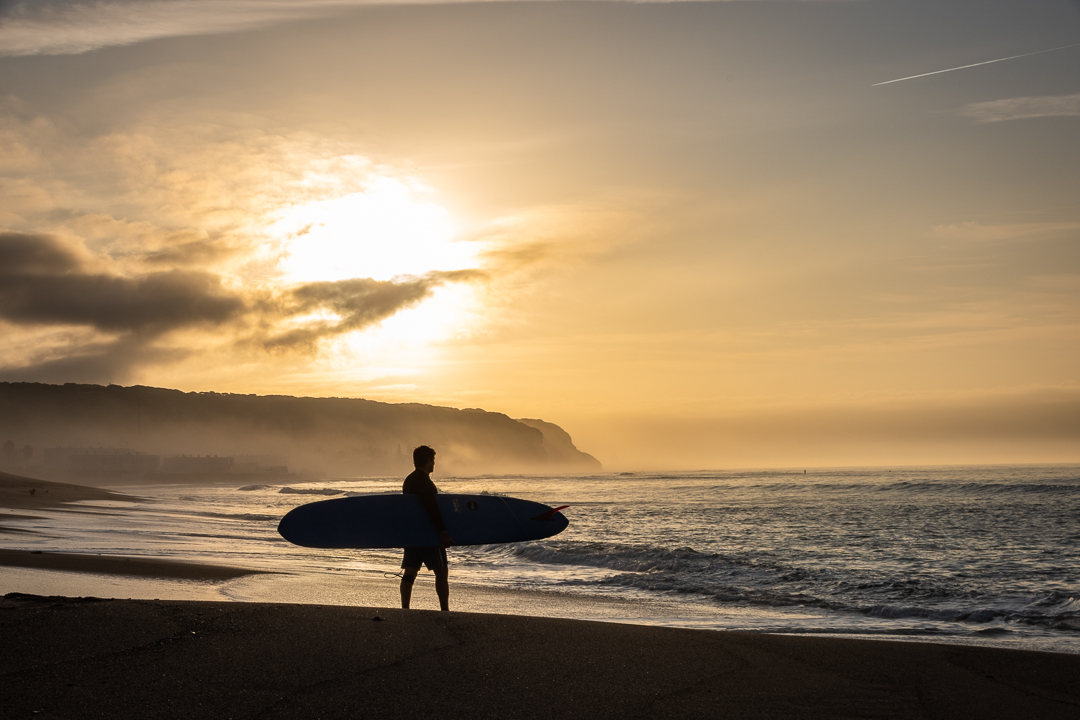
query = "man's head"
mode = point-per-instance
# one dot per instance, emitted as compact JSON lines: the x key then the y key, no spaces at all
{"x":422,"y":457}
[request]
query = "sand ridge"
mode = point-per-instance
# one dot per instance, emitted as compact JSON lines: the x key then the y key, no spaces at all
{"x":21,"y":493}
{"x":120,"y":565}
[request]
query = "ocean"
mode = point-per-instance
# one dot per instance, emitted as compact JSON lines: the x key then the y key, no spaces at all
{"x":985,"y":555}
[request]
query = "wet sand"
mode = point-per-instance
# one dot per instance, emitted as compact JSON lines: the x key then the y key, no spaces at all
{"x":81,"y":658}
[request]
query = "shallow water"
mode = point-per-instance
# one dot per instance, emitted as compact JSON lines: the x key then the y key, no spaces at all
{"x":953,"y":554}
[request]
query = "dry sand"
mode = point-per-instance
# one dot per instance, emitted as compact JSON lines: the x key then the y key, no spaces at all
{"x":82,"y":658}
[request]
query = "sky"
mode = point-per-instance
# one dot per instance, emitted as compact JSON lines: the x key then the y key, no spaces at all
{"x":693,"y":234}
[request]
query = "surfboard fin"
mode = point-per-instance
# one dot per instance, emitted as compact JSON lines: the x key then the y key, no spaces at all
{"x":550,"y":514}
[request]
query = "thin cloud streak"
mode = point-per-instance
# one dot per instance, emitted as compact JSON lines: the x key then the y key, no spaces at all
{"x":82,"y":27}
{"x":990,"y":233}
{"x":1023,"y":108}
{"x":985,"y":62}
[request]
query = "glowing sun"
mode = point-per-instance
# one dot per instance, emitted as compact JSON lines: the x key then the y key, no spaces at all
{"x":382,"y":232}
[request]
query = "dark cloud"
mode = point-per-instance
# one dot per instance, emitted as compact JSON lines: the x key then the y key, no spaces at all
{"x":27,"y":253}
{"x":359,"y":302}
{"x":153,"y":303}
{"x":198,"y":252}
{"x":42,"y":281}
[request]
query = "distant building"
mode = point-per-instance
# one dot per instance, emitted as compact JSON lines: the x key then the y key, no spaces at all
{"x":261,"y":465}
{"x":99,"y":461}
{"x":198,"y":465}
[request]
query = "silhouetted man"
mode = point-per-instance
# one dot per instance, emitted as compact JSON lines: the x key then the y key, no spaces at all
{"x":419,"y":483}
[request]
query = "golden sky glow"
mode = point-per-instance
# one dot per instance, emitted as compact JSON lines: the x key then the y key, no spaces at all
{"x":692,"y":234}
{"x":379,"y":232}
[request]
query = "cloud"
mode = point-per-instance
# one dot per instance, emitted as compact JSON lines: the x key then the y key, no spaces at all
{"x":357,"y":303}
{"x":558,"y":235}
{"x":196,"y":252}
{"x":44,"y":281}
{"x":25,"y":253}
{"x":1022,"y":108}
{"x":978,"y":232}
{"x":67,"y":28}
{"x":162,"y":243}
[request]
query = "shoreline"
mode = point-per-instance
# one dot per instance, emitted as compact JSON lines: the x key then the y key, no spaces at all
{"x":76,"y":658}
{"x":45,"y":566}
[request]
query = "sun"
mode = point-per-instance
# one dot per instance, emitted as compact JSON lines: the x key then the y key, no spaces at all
{"x":384,"y":231}
{"x":388,"y":229}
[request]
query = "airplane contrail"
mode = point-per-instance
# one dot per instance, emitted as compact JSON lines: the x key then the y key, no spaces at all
{"x":987,"y":62}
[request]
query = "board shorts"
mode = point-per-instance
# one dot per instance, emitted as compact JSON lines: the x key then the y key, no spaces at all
{"x":434,"y":558}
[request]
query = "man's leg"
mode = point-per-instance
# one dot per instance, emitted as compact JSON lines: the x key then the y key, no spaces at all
{"x":408,"y":577}
{"x":442,"y":587}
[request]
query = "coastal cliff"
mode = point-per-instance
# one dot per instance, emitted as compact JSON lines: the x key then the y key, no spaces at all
{"x":313,"y":436}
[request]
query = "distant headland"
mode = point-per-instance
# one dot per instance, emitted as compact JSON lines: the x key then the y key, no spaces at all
{"x":112,"y":432}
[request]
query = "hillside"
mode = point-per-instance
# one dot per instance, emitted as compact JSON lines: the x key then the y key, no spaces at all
{"x":314,"y":436}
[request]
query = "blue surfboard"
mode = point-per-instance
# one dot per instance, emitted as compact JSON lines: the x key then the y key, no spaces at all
{"x":398,"y":520}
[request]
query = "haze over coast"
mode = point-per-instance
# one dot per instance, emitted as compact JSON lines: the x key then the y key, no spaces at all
{"x":70,"y":428}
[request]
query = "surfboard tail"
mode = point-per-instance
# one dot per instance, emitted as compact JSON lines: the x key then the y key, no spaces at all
{"x":550,"y":514}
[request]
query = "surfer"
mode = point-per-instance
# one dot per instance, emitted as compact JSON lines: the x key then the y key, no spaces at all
{"x":419,"y":483}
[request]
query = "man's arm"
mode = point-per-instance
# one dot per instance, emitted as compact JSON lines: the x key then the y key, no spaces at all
{"x":431,"y":507}
{"x":427,"y":493}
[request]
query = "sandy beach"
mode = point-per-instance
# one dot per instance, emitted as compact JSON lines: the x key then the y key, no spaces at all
{"x":70,"y":657}
{"x":18,"y":492}
{"x":84,"y":657}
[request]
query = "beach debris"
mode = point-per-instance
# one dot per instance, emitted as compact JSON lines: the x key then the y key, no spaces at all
{"x":376,"y":619}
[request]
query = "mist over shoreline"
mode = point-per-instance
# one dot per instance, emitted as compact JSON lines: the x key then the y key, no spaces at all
{"x":147,"y":430}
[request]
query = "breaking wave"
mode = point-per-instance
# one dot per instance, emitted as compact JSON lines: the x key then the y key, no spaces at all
{"x":744,"y":581}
